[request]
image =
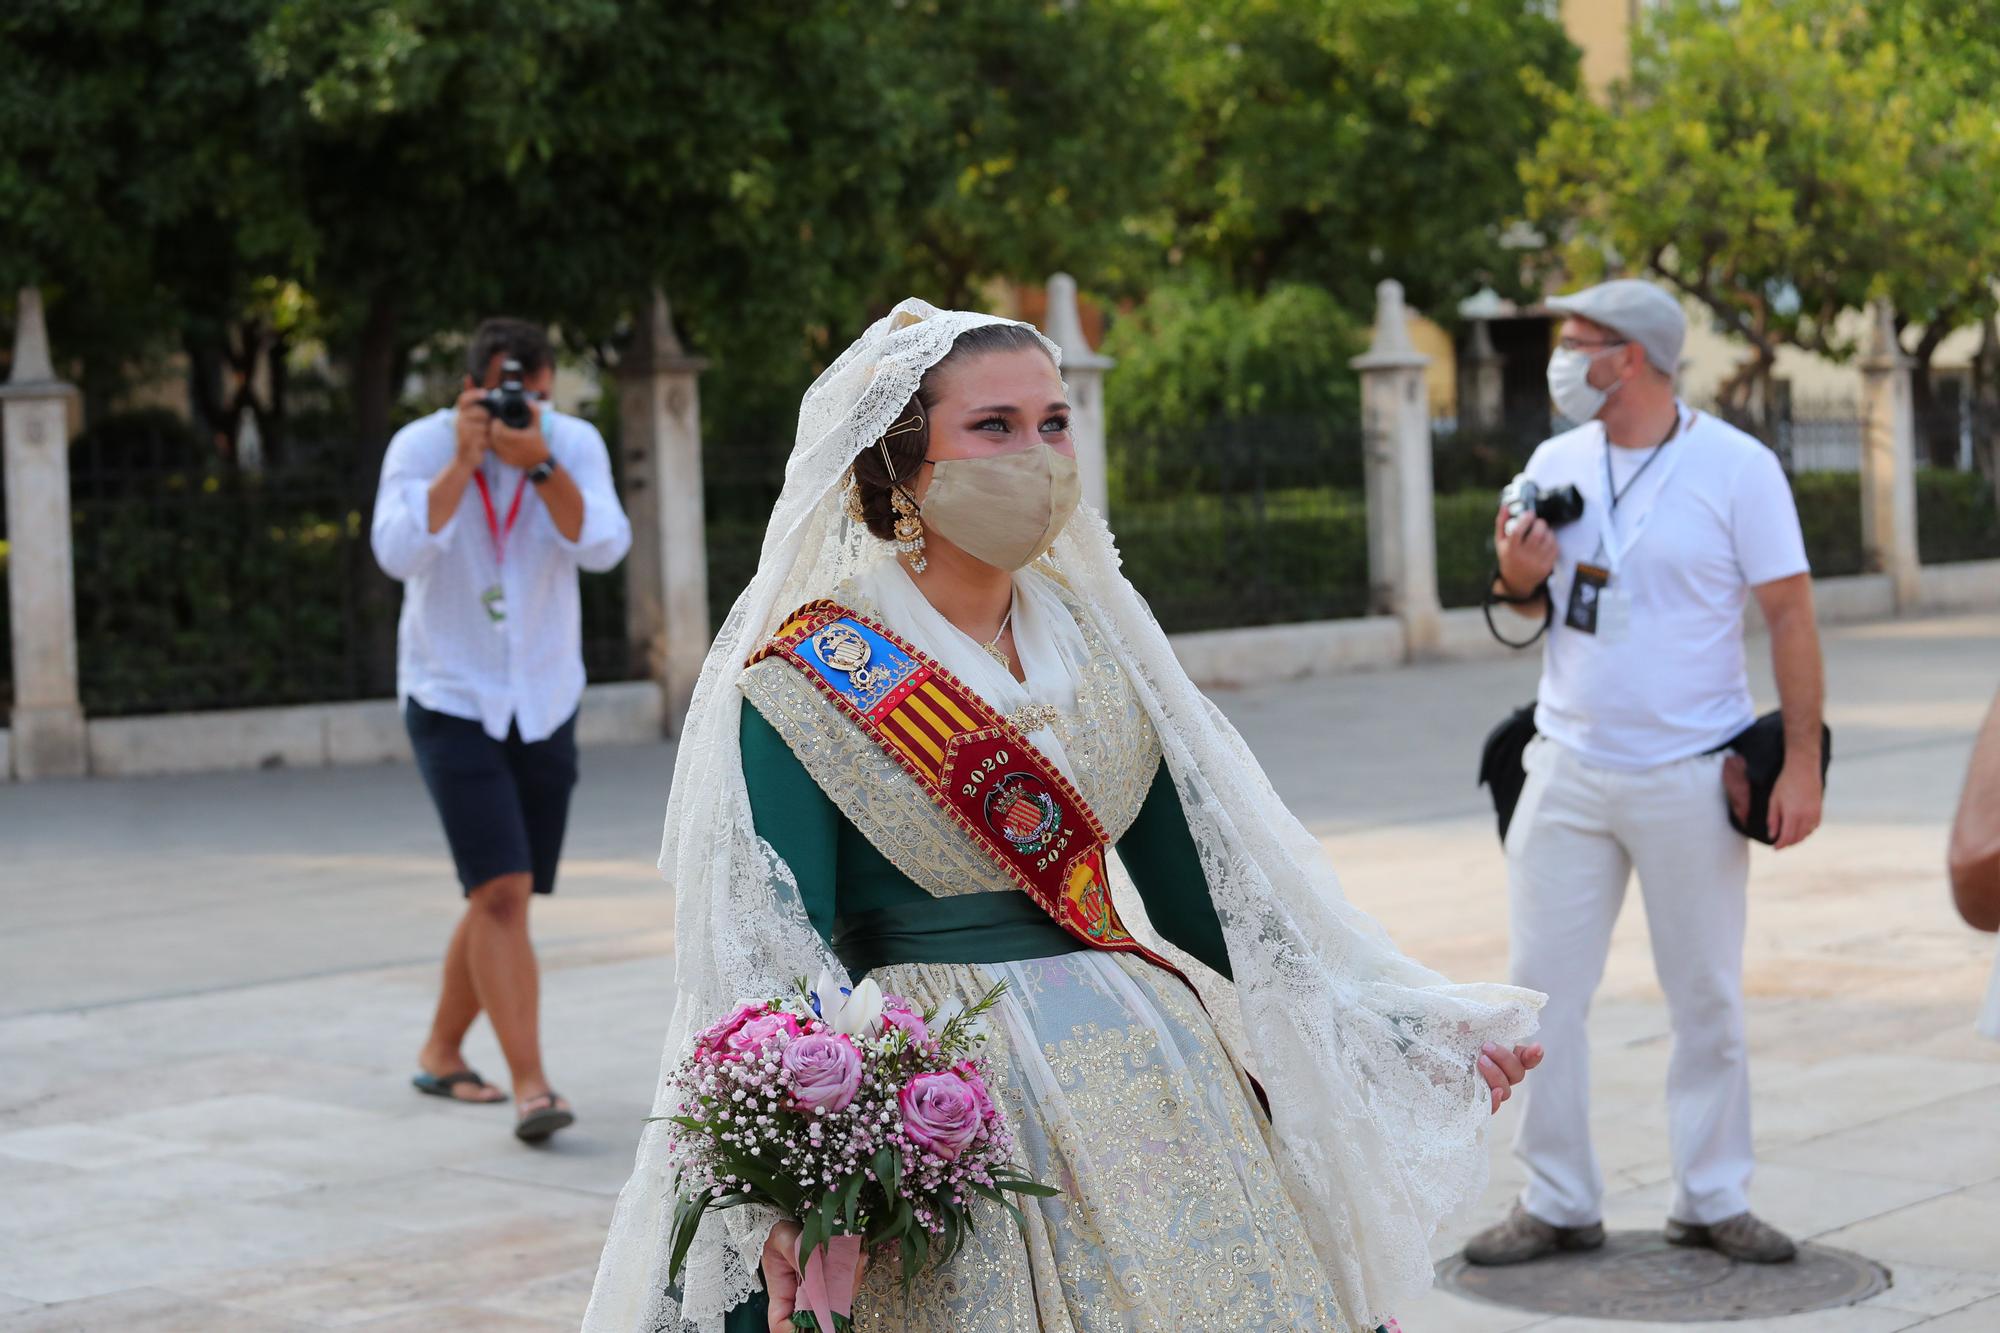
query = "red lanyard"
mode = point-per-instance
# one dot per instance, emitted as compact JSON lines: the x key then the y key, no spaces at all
{"x":499,"y":533}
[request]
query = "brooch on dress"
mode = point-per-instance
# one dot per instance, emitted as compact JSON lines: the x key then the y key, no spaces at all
{"x":843,"y":649}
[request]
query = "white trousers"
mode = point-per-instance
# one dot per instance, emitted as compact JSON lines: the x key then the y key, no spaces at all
{"x":1578,"y":833}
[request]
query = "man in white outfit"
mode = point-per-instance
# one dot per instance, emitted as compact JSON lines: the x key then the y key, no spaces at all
{"x":1643,"y":684}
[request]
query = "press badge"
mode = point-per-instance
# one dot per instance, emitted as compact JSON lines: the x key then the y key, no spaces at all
{"x":1587,"y":595}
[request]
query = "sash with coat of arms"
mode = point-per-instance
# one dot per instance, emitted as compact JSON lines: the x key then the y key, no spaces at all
{"x":987,"y":777}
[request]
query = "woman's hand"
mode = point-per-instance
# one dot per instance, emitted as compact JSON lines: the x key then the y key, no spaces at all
{"x":782,"y":1274}
{"x":1503,"y":1069}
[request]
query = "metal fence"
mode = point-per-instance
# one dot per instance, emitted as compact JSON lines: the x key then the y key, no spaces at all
{"x":741,"y":478}
{"x":200,"y":585}
{"x":1243,"y":522}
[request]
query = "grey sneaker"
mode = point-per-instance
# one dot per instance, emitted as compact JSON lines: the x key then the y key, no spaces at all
{"x":1523,"y":1236}
{"x":1744,"y":1237}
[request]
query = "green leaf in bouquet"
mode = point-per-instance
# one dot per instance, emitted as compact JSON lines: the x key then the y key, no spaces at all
{"x":901,"y":1219}
{"x":915,"y":1248}
{"x":850,"y":1198}
{"x":991,"y":1192}
{"x":953,"y":1239}
{"x":782,"y":1193}
{"x":1010,"y":1177}
{"x":812,"y":1234}
{"x":687,"y":1220}
{"x":888,"y":1168}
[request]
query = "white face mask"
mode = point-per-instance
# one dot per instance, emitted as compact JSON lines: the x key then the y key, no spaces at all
{"x":1006,"y":509}
{"x":1570,"y":388}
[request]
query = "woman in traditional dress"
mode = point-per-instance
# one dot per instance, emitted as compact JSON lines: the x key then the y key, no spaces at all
{"x":922,"y":734}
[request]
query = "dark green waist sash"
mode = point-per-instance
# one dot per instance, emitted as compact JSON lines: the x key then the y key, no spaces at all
{"x":972,"y":928}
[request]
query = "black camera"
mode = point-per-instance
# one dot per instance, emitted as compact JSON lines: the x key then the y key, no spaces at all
{"x":509,"y":402}
{"x":1556,"y":506}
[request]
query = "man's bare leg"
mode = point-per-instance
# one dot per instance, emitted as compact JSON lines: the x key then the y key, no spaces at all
{"x":507,"y":978}
{"x":457,"y":1007}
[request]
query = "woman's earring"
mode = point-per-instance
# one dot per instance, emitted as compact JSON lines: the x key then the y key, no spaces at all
{"x":909,"y":529}
{"x":854,"y":509}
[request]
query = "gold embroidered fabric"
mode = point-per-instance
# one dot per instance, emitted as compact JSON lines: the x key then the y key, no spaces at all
{"x":1172,"y":1215}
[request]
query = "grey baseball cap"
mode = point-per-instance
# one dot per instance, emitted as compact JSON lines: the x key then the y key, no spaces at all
{"x":1633,"y":309}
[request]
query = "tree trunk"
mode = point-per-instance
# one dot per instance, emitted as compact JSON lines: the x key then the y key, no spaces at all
{"x":375,"y":597}
{"x":1937,"y":445}
{"x":212,"y":420}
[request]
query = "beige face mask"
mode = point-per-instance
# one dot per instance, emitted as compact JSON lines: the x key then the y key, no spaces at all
{"x":1006,"y":510}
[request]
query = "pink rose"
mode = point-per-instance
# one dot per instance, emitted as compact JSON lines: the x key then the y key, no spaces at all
{"x":896,"y":1013}
{"x":752,"y":1036}
{"x":968,"y":1071}
{"x":825,"y":1070}
{"x":713,"y":1037}
{"x":940,"y":1112}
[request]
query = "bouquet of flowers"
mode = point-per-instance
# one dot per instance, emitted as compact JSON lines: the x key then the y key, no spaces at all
{"x":866,"y":1121}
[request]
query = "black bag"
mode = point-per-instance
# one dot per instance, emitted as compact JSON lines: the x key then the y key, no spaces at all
{"x":1762,"y":745}
{"x":1500,"y":769}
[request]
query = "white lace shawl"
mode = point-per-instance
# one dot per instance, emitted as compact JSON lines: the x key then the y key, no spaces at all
{"x":1368,"y":1057}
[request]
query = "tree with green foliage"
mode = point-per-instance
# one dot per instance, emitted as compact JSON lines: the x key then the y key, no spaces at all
{"x":1341,"y":143}
{"x":1193,"y":353}
{"x":145,"y":185}
{"x":1782,"y":161}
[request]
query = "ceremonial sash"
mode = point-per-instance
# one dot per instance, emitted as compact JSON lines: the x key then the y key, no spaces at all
{"x":1014,"y":804}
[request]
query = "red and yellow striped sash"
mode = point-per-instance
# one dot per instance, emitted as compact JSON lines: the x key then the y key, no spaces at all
{"x":973,"y":764}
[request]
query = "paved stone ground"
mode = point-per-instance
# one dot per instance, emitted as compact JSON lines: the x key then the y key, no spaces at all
{"x":213,"y":989}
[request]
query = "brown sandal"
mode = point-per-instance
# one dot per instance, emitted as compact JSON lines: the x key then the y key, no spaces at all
{"x":536,"y":1126}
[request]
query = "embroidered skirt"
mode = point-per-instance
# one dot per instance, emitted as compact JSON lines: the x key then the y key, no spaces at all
{"x":1172,"y":1216}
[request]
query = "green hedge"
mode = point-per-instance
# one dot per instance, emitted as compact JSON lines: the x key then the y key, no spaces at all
{"x":1956,"y":517}
{"x":1210,"y":562}
{"x":1214,"y":562}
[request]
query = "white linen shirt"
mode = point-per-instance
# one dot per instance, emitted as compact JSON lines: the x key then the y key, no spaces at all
{"x":1712,"y":518}
{"x":450,"y":655}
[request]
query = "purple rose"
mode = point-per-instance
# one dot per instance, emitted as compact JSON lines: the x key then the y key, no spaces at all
{"x":968,"y":1071}
{"x":896,"y":1013}
{"x":752,"y":1036}
{"x":940,"y":1112}
{"x":824,"y":1070}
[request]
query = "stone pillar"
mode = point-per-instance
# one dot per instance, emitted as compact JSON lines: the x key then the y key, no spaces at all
{"x":666,"y":576}
{"x":1889,"y":460}
{"x":1396,"y":424}
{"x":1083,"y":371}
{"x":48,"y":735}
{"x":1482,"y":395}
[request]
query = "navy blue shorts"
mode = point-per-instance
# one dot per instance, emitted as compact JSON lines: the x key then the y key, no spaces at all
{"x":505,"y":804}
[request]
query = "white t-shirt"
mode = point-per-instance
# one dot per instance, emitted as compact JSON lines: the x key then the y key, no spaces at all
{"x":1706,"y":520}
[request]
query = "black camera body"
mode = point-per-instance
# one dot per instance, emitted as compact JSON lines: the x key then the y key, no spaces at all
{"x":1556,"y":506}
{"x":509,"y":402}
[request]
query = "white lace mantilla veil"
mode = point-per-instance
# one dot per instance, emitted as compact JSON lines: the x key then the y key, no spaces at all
{"x":1368,"y":1058}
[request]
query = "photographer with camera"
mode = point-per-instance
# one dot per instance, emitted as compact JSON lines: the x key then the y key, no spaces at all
{"x":486,"y":512}
{"x":1636,"y":540}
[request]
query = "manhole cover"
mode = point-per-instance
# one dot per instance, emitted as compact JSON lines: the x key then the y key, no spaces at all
{"x":1637,"y":1275}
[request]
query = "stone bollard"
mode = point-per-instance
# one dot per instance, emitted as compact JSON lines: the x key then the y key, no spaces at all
{"x":666,"y":576}
{"x":1402,"y":525}
{"x":1889,"y":460}
{"x":48,"y":739}
{"x":1083,"y":371}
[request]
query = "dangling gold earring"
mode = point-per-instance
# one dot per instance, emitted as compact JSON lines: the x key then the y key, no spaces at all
{"x":909,"y":529}
{"x":909,"y":517}
{"x":854,"y":509}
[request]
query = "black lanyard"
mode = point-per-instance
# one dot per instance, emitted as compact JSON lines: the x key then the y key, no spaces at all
{"x":1611,"y":485}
